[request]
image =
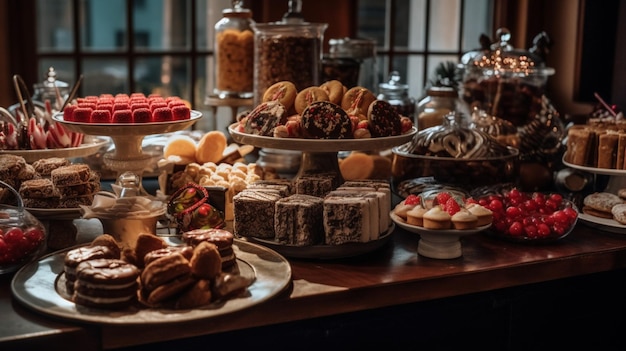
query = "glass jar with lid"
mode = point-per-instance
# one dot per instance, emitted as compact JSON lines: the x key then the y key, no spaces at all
{"x":439,"y":101}
{"x":234,"y":53}
{"x":397,"y":95}
{"x":290,"y":49}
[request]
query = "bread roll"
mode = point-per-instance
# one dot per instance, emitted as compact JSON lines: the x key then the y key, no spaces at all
{"x":182,"y":146}
{"x":211,"y":147}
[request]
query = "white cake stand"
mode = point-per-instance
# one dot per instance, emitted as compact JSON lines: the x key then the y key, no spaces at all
{"x":128,"y":155}
{"x":320,"y":155}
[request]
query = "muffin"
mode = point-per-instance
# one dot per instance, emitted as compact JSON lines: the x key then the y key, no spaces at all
{"x":464,"y":219}
{"x":415,"y":216}
{"x":437,"y":218}
{"x":485,"y":216}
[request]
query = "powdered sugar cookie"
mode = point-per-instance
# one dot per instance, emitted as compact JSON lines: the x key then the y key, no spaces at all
{"x":619,"y":213}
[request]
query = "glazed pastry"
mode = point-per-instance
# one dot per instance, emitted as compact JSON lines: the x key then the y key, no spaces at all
{"x":356,"y":101}
{"x":383,"y":119}
{"x":284,"y":92}
{"x":325,"y":120}
{"x":334,"y":89}
{"x":308,"y":96}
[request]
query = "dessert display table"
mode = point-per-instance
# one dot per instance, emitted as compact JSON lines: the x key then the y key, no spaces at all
{"x":389,"y":278}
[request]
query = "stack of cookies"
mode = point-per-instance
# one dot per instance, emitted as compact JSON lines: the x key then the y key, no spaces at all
{"x":50,"y":182}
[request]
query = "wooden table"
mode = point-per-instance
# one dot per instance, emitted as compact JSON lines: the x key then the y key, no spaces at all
{"x":384,"y":281}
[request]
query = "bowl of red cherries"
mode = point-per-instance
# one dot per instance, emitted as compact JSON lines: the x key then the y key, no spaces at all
{"x":530,"y":217}
{"x":22,"y":235}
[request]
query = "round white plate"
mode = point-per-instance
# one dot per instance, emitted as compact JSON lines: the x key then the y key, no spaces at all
{"x":86,"y":149}
{"x":604,"y":171}
{"x":609,"y":225}
{"x":36,"y":286}
{"x":440,"y":244}
{"x":326,"y":252}
{"x":320,"y":145}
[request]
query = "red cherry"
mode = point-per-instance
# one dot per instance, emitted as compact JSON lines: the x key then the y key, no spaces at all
{"x":543,"y":229}
{"x":496,"y":205}
{"x":14,"y":236}
{"x":513,"y":212}
{"x":516,"y":229}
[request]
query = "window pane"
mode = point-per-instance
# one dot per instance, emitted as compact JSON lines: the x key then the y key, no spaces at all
{"x":208,"y":13}
{"x":64,"y":69}
{"x":443,"y":32}
{"x":415,"y":76}
{"x":54,"y":26}
{"x":161,"y":24}
{"x":371,"y":19}
{"x":103,"y":25}
{"x":104,"y":76}
{"x":164,"y":75}
{"x":417,"y":25}
{"x":477,"y":16}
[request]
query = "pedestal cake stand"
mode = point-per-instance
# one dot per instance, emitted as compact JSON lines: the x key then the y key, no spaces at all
{"x":128,"y":155}
{"x":320,"y":156}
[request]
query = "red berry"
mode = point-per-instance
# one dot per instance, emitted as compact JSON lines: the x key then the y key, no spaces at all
{"x":452,"y":206}
{"x":496,"y":205}
{"x":14,"y":236}
{"x":442,"y":197}
{"x":516,"y":229}
{"x":513,"y":212}
{"x":412,"y":200}
{"x":543,"y":229}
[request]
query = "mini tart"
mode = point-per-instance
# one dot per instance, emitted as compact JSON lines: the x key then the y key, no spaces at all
{"x":415,"y":216}
{"x":464,"y":219}
{"x":485,"y":216}
{"x":437,"y":218}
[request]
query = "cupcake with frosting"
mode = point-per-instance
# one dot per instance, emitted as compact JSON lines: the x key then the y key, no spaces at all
{"x":485,"y":215}
{"x":464,"y":219}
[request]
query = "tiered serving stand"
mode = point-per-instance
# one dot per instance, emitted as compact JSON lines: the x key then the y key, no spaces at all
{"x":616,"y":181}
{"x":320,"y":156}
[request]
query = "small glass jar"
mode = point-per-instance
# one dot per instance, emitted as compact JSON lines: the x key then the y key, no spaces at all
{"x":234,"y":53}
{"x":397,"y":95}
{"x":439,"y":101}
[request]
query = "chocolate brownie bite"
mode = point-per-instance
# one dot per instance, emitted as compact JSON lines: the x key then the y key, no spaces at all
{"x":325,"y":120}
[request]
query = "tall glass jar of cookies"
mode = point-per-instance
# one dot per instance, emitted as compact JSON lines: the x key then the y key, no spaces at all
{"x":287,"y":50}
{"x":234,"y":53}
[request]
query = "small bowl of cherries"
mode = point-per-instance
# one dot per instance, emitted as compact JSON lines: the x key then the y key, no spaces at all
{"x":529,"y":217}
{"x":22,"y":235}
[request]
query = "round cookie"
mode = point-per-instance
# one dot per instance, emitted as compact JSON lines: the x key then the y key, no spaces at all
{"x":264,"y":118}
{"x":76,"y":256}
{"x":383,"y":119}
{"x":334,"y":89}
{"x":325,"y":120}
{"x":211,"y":147}
{"x":602,"y":201}
{"x":619,"y":213}
{"x":622,"y":193}
{"x":357,"y":100}
{"x":284,"y":92}
{"x":106,"y":283}
{"x":308,"y":96}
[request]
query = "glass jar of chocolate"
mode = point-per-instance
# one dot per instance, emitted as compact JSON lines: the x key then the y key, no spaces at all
{"x":439,"y":101}
{"x":234,"y":53}
{"x":287,"y":50}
